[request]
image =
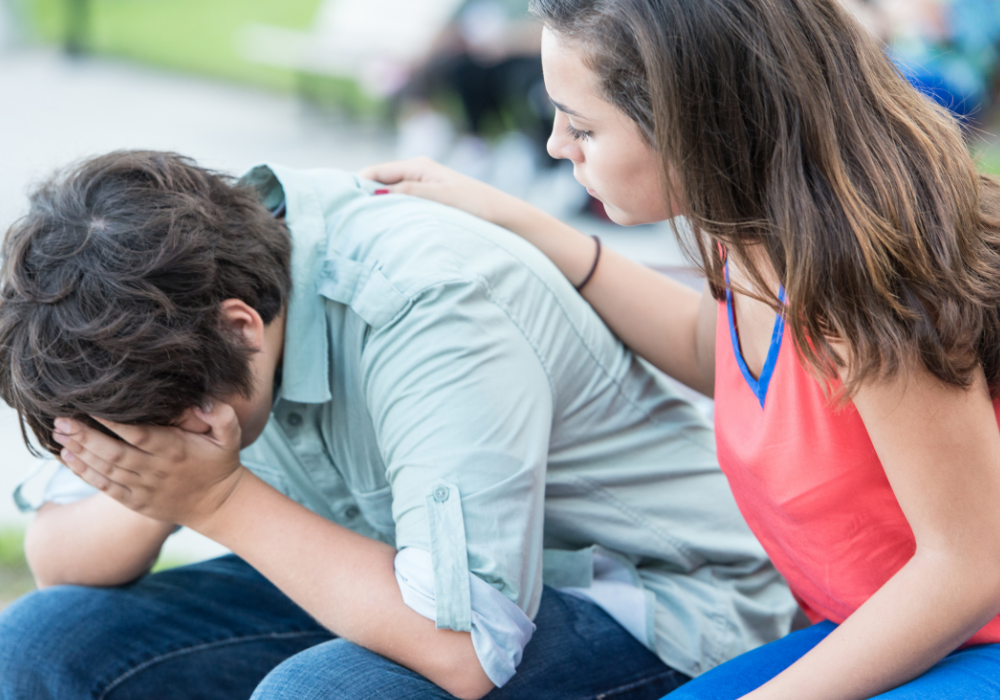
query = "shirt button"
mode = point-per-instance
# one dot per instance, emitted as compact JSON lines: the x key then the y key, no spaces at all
{"x":441,"y":494}
{"x":294,"y":420}
{"x":352,"y":512}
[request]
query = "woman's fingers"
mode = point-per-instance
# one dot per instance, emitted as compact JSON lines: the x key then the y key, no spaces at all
{"x":386,"y":173}
{"x":414,"y":170}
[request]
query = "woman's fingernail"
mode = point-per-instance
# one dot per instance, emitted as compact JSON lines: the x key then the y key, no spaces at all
{"x":67,"y":456}
{"x":382,"y":191}
{"x":60,"y":438}
{"x":62,"y":425}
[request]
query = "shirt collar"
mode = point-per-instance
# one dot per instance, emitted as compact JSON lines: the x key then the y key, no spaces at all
{"x":312,"y":199}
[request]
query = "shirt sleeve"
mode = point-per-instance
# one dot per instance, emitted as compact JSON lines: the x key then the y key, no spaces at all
{"x":462,"y":409}
{"x":62,"y":487}
{"x":500,"y":629}
{"x":66,"y":487}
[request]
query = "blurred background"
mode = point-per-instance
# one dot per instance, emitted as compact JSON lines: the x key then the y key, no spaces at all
{"x":347,"y":83}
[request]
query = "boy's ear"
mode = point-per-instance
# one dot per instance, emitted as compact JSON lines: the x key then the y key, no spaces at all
{"x":245,"y":320}
{"x":192,"y":423}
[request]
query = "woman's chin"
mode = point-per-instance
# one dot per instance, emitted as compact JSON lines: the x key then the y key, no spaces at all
{"x":623,"y":217}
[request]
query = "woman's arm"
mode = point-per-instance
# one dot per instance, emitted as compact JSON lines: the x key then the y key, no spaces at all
{"x":92,"y":542}
{"x":940,"y":448}
{"x":660,"y":319}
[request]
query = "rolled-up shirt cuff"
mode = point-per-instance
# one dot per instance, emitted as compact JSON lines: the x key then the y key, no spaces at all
{"x":66,"y":487}
{"x":500,"y":629}
{"x":61,"y":487}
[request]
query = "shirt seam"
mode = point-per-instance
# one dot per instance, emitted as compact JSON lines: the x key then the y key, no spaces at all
{"x":491,"y":297}
{"x":488,"y":290}
{"x":596,"y":488}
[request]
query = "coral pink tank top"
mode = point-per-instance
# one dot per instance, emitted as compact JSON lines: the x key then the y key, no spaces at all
{"x":807,"y":479}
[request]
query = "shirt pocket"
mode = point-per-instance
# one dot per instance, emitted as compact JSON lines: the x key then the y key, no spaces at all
{"x":376,"y":508}
{"x":364,"y":289}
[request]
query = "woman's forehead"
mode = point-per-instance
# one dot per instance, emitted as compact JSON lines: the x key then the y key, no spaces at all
{"x":572,"y":86}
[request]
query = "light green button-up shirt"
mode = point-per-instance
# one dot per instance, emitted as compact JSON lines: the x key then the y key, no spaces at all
{"x":445,"y":388}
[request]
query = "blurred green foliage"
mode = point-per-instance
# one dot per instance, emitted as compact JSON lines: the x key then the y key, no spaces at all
{"x":195,"y":36}
{"x":15,"y":578}
{"x":12,"y":548}
{"x":988,"y":160}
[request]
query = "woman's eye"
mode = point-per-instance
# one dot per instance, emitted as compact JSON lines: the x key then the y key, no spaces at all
{"x":576,"y":133}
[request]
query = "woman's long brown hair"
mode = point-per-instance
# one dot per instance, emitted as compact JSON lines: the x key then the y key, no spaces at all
{"x":797,"y":145}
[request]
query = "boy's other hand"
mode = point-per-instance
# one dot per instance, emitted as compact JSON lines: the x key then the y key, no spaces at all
{"x":174,"y":474}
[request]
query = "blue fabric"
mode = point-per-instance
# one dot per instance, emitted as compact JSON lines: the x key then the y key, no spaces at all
{"x":578,"y":652}
{"x":971,"y":674}
{"x":757,"y":385}
{"x":219,"y":631}
{"x":212,"y":630}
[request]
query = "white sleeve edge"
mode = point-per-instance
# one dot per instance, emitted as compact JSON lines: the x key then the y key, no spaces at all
{"x":61,"y":487}
{"x":500,"y":629}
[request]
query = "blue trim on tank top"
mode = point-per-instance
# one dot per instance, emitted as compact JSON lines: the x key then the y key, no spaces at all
{"x":759,"y":385}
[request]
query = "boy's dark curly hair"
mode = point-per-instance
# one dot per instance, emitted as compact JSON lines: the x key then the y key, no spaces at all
{"x":111,"y":289}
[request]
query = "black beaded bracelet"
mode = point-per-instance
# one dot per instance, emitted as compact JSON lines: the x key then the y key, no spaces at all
{"x":593,"y":268}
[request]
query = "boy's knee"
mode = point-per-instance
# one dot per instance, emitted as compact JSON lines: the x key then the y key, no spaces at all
{"x":39,"y":633}
{"x":339,"y":670}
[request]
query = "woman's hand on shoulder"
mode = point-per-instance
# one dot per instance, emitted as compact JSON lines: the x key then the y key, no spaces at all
{"x":425,"y":178}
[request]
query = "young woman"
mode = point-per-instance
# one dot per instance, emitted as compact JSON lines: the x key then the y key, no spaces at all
{"x":849,"y":332}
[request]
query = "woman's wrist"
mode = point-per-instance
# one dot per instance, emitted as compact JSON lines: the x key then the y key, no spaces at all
{"x":571,"y":251}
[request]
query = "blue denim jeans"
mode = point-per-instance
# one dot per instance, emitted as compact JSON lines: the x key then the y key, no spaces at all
{"x":218,"y":630}
{"x":972,"y":673}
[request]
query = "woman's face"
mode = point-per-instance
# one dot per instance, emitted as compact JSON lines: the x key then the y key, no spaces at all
{"x":609,"y":155}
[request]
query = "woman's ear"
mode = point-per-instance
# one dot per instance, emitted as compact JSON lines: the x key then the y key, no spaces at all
{"x":245,"y":320}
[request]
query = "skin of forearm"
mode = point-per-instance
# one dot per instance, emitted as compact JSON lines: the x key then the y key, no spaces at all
{"x":930,"y":607}
{"x":343,"y":579}
{"x":93,"y":542}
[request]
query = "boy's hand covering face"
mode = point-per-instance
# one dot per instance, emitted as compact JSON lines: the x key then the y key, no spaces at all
{"x":167,"y":473}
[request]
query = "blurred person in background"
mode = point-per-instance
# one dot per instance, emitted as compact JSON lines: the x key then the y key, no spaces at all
{"x":478,"y":103}
{"x":948,"y":49}
{"x":489,"y":58}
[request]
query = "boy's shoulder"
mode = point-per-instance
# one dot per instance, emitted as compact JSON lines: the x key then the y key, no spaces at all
{"x":414,"y":243}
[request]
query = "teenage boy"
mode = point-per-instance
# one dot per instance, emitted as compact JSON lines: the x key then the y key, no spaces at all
{"x":428,"y":396}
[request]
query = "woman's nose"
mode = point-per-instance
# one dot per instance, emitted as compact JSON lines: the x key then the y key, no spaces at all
{"x":560,"y":143}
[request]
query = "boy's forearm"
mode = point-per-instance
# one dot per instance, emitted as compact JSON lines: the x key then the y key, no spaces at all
{"x":345,"y":580}
{"x":93,"y":542}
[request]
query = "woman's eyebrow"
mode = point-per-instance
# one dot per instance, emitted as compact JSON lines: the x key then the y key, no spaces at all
{"x":566,"y":110}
